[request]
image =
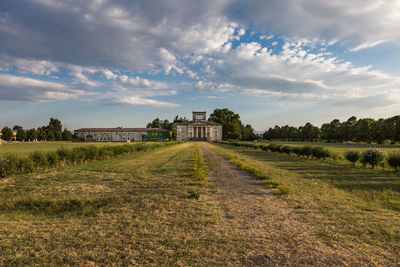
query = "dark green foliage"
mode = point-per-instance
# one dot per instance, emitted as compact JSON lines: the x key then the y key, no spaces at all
{"x":53,"y":159}
{"x":306,"y":151}
{"x":274,"y":147}
{"x":352,"y":155}
{"x":372,"y":156}
{"x":39,"y":159}
{"x":8,"y":165}
{"x":286,"y":149}
{"x":25,"y":165}
{"x":6,"y":134}
{"x":231,"y":123}
{"x":393,"y":160}
{"x":66,"y":135}
{"x":193,"y":194}
{"x":21,"y":135}
{"x":320,"y":152}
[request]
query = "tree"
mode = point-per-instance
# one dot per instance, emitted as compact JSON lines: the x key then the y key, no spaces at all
{"x":231,"y":124}
{"x":6,"y":134}
{"x":16,"y":127}
{"x":156,"y":123}
{"x":66,"y":135}
{"x":42,"y":133}
{"x":31,"y":135}
{"x":54,"y":130}
{"x":248,"y":133}
{"x":21,"y":135}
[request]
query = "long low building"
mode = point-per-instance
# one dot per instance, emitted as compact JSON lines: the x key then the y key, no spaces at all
{"x":122,"y":134}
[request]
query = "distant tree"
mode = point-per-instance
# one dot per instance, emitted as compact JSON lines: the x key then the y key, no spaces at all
{"x":248,"y":133}
{"x":42,"y":133}
{"x":156,"y":123}
{"x":31,"y":135}
{"x":54,"y":130}
{"x":21,"y":135}
{"x":6,"y":134}
{"x":231,"y":124}
{"x":16,"y":127}
{"x":66,"y":135}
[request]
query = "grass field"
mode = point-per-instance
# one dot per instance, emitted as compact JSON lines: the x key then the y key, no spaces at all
{"x":129,"y":210}
{"x":351,"y":206}
{"x":341,"y":148}
{"x":23,"y":149}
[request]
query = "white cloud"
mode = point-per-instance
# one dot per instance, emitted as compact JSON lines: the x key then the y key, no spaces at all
{"x":139,"y":101}
{"x":20,"y":88}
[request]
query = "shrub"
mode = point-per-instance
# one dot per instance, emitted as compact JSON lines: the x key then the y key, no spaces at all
{"x":53,"y":159}
{"x":274,"y":147}
{"x":91,"y":152}
{"x":352,"y":156}
{"x":394,"y":160}
{"x":25,"y":165}
{"x":306,"y":151}
{"x":372,"y":156}
{"x":264,"y":147}
{"x":296,"y":150}
{"x":39,"y":159}
{"x":63,"y":153}
{"x":8,"y":165}
{"x":286,"y":149}
{"x":320,"y":152}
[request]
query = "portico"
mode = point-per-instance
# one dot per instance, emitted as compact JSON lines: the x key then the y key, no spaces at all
{"x":199,"y":129}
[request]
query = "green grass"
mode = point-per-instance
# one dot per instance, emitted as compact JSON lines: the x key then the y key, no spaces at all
{"x":24,"y":149}
{"x":353,"y":206}
{"x":129,"y":210}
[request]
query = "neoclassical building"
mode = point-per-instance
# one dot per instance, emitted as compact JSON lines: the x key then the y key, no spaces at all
{"x":122,"y":134}
{"x":199,"y":129}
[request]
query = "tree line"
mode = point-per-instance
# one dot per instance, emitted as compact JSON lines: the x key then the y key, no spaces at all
{"x":232,"y":126}
{"x":52,"y":132}
{"x":361,"y":130}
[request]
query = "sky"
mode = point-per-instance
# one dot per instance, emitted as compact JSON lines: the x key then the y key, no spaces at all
{"x":103,"y":63}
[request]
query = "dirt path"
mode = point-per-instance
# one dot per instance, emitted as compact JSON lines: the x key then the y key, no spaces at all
{"x":275,"y":233}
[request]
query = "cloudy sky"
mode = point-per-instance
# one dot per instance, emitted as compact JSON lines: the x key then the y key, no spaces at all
{"x":100,"y":63}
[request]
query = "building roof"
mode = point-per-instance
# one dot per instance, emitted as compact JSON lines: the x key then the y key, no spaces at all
{"x":120,"y":130}
{"x":199,"y":122}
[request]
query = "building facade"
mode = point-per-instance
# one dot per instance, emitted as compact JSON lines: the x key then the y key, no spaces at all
{"x":122,"y":134}
{"x":199,"y":129}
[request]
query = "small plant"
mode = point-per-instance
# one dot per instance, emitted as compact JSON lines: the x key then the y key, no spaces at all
{"x":372,"y":156}
{"x":394,"y":160}
{"x":25,"y":165}
{"x":8,"y":165}
{"x":352,"y":156}
{"x":193,"y":194}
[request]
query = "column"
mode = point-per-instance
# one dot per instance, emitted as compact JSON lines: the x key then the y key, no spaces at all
{"x":194,"y":132}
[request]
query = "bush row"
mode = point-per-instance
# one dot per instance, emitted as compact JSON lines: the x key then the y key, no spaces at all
{"x":317,"y":152}
{"x":374,"y":156}
{"x":12,"y":164}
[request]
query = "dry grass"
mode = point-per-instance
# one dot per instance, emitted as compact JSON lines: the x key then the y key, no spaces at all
{"x":350,"y":207}
{"x":130,"y":210}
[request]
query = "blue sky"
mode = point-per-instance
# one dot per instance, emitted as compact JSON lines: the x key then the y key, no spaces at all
{"x":100,"y":63}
